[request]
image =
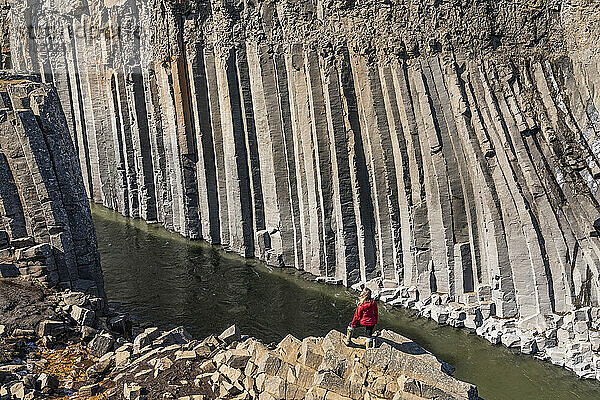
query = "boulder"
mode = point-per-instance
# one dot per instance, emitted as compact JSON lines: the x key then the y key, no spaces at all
{"x":511,"y":339}
{"x":101,"y":344}
{"x":83,"y":316}
{"x":50,"y":328}
{"x":97,"y":304}
{"x":132,"y":391}
{"x":581,"y":330}
{"x":528,"y":344}
{"x":207,"y":366}
{"x":304,"y":376}
{"x":594,"y":336}
{"x":121,"y":324}
{"x":269,"y":364}
{"x":145,"y":338}
{"x":311,"y":352}
{"x":17,"y":390}
{"x":46,"y":382}
{"x":275,"y":386}
{"x":331,"y":382}
{"x":582,"y":315}
{"x":162,"y":364}
{"x":556,"y":355}
{"x":39,"y":251}
{"x":289,"y":349}
{"x":316,"y":393}
{"x":175,"y":336}
{"x":232,"y":374}
{"x":185,"y":355}
{"x":237,"y":358}
{"x":439,"y":314}
{"x":123,"y":356}
{"x":24,"y":333}
{"x":102,"y":366}
{"x":230,"y":335}
{"x":75,"y":299}
{"x":294,"y":392}
{"x":88,"y":333}
{"x":89,"y":390}
{"x":228,"y":390}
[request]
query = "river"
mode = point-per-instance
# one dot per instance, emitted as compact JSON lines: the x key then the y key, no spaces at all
{"x":166,"y":280}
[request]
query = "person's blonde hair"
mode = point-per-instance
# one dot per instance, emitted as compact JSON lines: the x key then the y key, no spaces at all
{"x":365,"y":296}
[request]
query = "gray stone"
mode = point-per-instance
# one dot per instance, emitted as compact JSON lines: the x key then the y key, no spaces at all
{"x":439,"y":315}
{"x":47,"y":381}
{"x":50,"y":328}
{"x":89,"y":390}
{"x":174,"y":336}
{"x":230,"y":335}
{"x":185,"y":355}
{"x":237,"y":358}
{"x":145,"y":338}
{"x":311,"y":353}
{"x":74,"y":299}
{"x":101,"y":344}
{"x":132,"y":391}
{"x":83,"y":316}
{"x":556,"y":355}
{"x":122,"y":357}
{"x":162,"y":364}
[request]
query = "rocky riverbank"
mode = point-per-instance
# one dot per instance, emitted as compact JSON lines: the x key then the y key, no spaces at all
{"x":74,"y":346}
{"x":570,"y":339}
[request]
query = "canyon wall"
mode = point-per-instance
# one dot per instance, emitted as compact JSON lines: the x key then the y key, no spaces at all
{"x":446,"y":146}
{"x":46,"y":230}
{"x":5,"y":34}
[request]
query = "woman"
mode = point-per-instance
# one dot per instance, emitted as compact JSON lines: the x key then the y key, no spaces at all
{"x":365,"y":315}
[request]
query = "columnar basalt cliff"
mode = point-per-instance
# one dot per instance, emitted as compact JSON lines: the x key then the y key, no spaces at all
{"x":445,"y":152}
{"x":4,"y":34}
{"x":46,"y":230}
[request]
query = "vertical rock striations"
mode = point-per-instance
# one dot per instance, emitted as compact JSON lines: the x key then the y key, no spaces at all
{"x":427,"y":149}
{"x":46,"y":227}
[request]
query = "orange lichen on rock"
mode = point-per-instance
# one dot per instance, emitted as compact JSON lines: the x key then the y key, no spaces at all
{"x":68,"y":364}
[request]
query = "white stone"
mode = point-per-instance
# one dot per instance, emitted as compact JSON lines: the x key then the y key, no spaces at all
{"x":510,"y":338}
{"x":556,"y":355}
{"x":528,"y":344}
{"x":439,"y":315}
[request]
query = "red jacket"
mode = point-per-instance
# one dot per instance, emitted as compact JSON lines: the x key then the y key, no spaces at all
{"x":365,"y":315}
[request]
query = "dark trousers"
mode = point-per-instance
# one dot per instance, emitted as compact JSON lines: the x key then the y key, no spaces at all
{"x":368,"y":329}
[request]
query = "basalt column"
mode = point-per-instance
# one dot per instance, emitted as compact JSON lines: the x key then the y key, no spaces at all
{"x":46,"y":228}
{"x":407,"y":147}
{"x":239,"y":199}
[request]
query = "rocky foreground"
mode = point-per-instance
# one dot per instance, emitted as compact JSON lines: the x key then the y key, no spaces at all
{"x":71,"y":346}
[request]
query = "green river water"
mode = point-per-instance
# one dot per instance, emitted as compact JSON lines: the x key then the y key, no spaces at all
{"x":167,"y":280}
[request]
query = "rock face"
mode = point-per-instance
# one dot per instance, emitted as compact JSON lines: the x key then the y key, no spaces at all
{"x":312,"y":368}
{"x":419,"y":147}
{"x":5,"y":34}
{"x":46,"y":231}
{"x":93,"y":358}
